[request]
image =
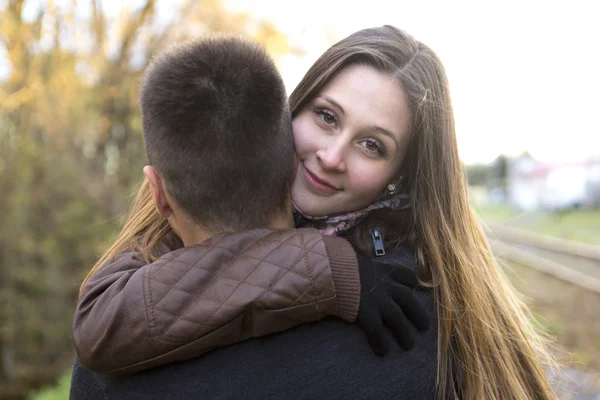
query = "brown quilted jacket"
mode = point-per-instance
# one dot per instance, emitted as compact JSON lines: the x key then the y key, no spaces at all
{"x":133,"y":316}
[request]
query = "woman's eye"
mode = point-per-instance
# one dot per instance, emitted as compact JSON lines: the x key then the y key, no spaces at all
{"x":371,"y":145}
{"x":326,"y":116}
{"x":374,"y":147}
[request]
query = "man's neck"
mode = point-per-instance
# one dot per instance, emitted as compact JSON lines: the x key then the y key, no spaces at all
{"x":191,"y":233}
{"x":191,"y":237}
{"x":282,"y":221}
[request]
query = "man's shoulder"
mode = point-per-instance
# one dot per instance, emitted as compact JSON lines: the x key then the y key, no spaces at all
{"x":330,"y":359}
{"x":83,"y":384}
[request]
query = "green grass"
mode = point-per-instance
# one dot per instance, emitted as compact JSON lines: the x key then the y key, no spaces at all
{"x":554,"y":328}
{"x":58,"y":392}
{"x":578,"y":225}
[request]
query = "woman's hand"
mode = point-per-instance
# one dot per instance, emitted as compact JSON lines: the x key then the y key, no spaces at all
{"x":387,"y":297}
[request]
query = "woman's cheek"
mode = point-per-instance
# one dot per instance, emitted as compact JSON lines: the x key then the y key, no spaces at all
{"x":370,"y":182}
{"x":302,"y":135}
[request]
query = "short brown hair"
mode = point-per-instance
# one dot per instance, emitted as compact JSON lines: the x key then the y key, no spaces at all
{"x":217,"y":128}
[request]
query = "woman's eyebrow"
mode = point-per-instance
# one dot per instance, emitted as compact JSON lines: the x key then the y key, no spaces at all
{"x":386,"y":133}
{"x":334,"y":103}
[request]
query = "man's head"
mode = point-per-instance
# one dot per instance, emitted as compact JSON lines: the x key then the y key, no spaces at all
{"x":218,"y":133}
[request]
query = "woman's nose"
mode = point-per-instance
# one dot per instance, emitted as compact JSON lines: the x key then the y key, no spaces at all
{"x":332,"y":158}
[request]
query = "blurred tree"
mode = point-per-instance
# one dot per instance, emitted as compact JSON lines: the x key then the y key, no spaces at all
{"x":477,"y":174}
{"x":71,"y":152}
{"x":498,"y":174}
{"x":492,"y":175}
{"x":500,"y":167}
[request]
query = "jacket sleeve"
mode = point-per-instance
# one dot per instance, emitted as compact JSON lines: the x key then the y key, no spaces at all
{"x":133,"y":316}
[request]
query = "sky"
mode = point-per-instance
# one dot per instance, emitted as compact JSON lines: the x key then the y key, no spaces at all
{"x":524,"y":74}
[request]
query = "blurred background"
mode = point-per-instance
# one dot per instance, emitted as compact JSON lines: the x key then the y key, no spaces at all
{"x":524,"y":80}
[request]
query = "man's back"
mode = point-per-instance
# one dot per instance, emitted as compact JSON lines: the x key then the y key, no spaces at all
{"x":326,"y":360}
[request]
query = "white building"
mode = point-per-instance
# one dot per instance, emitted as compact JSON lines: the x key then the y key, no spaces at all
{"x":535,"y":185}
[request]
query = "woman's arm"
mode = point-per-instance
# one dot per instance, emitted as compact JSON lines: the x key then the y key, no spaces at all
{"x":133,"y":316}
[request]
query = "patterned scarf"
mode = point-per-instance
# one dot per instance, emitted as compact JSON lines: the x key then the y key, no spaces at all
{"x":335,"y":224}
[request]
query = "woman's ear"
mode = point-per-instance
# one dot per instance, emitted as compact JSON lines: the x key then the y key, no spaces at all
{"x":158,"y":192}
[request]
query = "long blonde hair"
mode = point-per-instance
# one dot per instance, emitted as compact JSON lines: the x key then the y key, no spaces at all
{"x":487,"y":345}
{"x":143,"y":231}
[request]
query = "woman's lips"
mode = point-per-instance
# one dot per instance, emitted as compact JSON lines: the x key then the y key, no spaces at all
{"x":318,"y":185}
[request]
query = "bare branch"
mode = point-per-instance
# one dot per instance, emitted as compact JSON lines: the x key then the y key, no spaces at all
{"x":159,"y":39}
{"x":132,"y":28}
{"x":98,"y":23}
{"x":16,"y":6}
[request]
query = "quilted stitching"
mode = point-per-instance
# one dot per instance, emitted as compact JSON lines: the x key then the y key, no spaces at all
{"x":276,"y":269}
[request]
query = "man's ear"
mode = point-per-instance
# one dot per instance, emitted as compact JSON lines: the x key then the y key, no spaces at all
{"x":158,"y":192}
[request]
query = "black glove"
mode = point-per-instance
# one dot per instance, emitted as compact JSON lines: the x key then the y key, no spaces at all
{"x":387,"y":296}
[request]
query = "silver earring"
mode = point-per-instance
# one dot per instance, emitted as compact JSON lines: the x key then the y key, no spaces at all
{"x":391,"y":188}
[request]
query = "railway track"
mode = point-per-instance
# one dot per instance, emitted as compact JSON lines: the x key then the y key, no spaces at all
{"x":573,"y":262}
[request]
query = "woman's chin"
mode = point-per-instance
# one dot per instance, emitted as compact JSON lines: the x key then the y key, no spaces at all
{"x":310,"y":208}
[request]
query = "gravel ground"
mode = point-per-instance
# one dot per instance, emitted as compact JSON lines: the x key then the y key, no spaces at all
{"x":572,"y":315}
{"x":578,"y":385}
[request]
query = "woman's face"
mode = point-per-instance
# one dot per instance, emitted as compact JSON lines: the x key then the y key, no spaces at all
{"x":350,"y":141}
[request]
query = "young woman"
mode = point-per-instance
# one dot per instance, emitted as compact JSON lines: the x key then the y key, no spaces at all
{"x":373,"y":115}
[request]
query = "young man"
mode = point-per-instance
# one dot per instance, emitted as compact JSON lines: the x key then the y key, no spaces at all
{"x":218,"y":136}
